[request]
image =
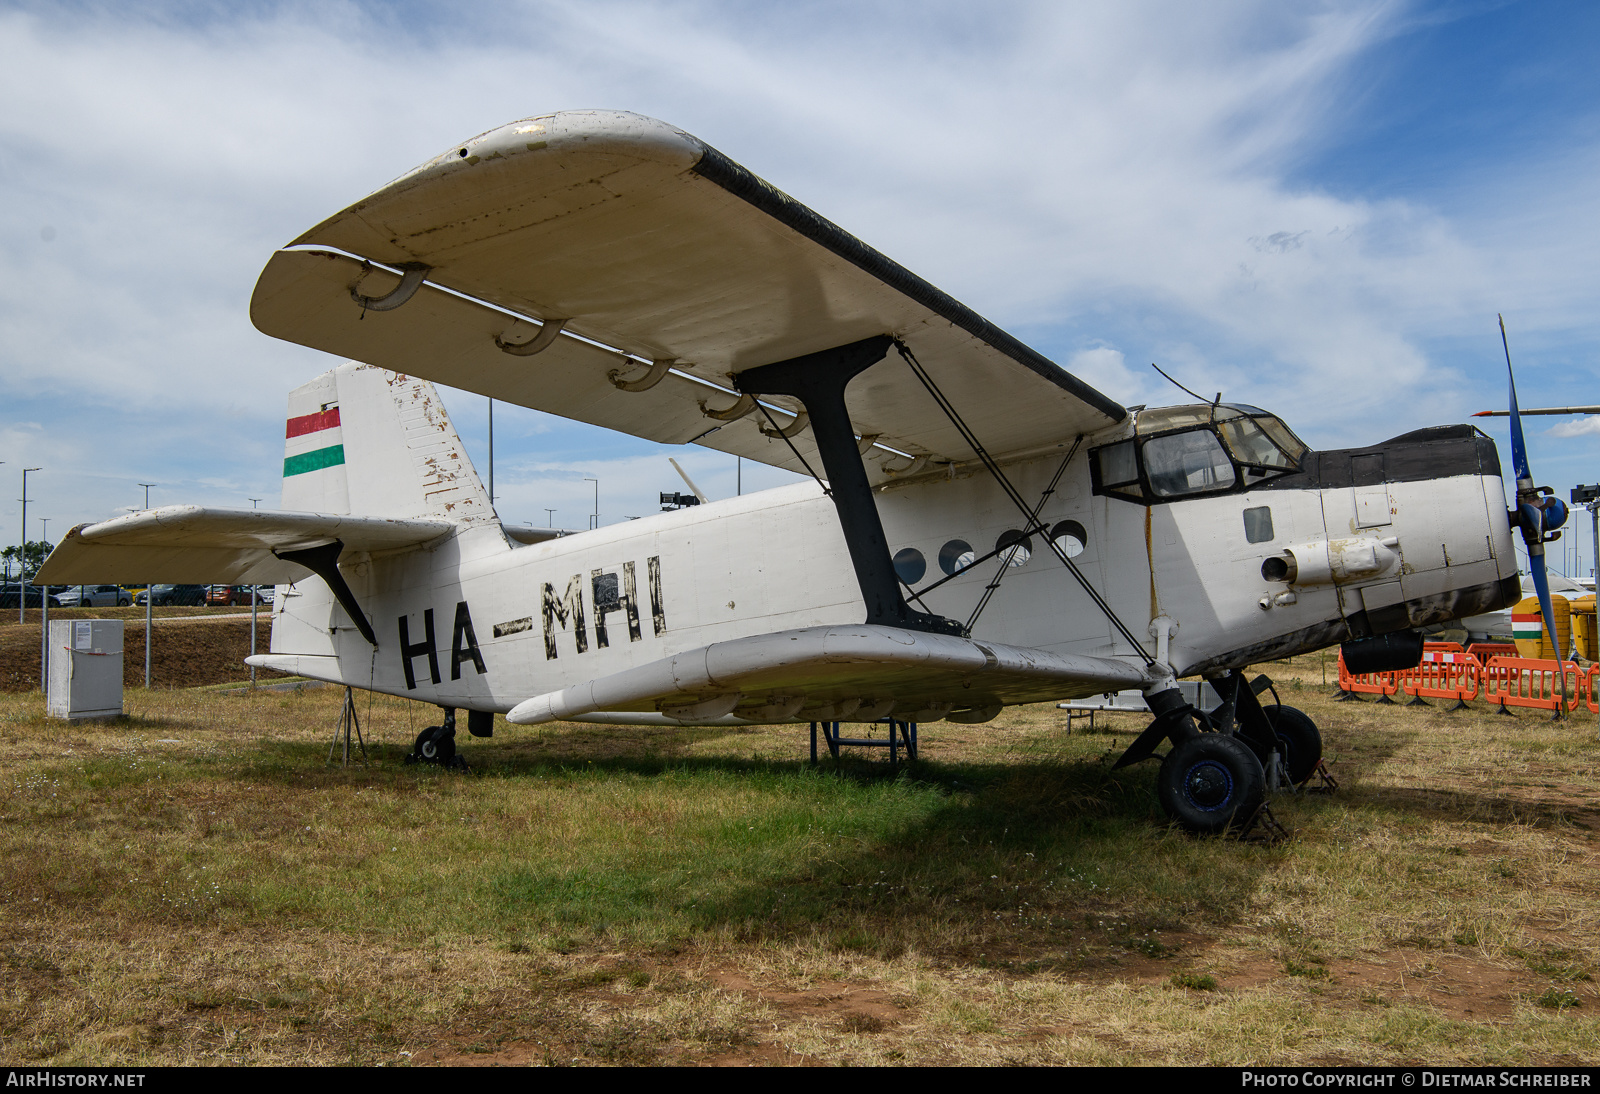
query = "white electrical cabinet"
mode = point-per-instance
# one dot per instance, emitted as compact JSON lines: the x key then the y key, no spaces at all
{"x":85,"y":669}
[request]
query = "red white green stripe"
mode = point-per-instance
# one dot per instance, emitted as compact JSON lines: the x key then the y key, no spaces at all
{"x":324,"y":422}
{"x":1527,"y":628}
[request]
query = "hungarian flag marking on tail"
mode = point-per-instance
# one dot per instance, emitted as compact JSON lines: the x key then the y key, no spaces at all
{"x":315,"y":450}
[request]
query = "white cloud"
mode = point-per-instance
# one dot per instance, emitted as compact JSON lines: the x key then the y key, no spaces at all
{"x":1106,"y":180}
{"x":1577,"y":427}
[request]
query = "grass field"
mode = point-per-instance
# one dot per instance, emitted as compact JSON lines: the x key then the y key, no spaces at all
{"x":195,"y":884}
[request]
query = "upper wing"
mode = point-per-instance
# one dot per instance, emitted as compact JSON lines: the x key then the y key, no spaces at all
{"x":191,"y":543}
{"x":839,"y":672}
{"x":650,"y":243}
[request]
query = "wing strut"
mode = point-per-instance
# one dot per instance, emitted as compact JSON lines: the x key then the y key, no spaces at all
{"x":323,"y":561}
{"x":818,"y":380}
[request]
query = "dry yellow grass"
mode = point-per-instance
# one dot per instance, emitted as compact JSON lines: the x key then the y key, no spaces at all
{"x":194,"y":885}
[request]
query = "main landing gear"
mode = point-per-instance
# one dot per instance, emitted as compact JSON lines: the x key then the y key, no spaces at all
{"x":1216,"y":776}
{"x":437,"y":745}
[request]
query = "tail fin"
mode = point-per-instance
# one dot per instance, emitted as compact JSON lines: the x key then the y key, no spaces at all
{"x":373,"y":443}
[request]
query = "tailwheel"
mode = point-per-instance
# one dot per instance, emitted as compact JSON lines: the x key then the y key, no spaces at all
{"x":1299,"y":741}
{"x":437,"y":745}
{"x":1212,"y":782}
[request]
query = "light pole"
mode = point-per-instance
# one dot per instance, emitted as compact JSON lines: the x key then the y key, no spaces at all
{"x":550,"y":517}
{"x":1589,"y":498}
{"x":44,"y":616}
{"x":255,"y":601}
{"x":594,"y":521}
{"x":149,"y":604}
{"x":22,"y":560}
{"x":491,"y":452}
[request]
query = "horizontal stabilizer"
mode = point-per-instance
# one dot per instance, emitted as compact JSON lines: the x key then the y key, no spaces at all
{"x":190,"y":543}
{"x":311,"y":666}
{"x":837,"y":673}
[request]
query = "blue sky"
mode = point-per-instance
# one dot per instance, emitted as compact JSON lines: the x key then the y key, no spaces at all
{"x":1317,"y":208}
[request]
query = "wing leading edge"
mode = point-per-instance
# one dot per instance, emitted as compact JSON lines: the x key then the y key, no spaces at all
{"x":634,"y":235}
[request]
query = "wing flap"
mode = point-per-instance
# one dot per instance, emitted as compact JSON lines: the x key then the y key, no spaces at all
{"x":191,"y":543}
{"x":780,"y":676}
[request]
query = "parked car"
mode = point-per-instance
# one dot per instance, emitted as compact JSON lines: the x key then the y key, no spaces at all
{"x":34,"y":596}
{"x":104,"y":596}
{"x":233,"y":595}
{"x":177,"y":595}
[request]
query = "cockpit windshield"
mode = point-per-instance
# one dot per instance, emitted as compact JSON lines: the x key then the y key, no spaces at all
{"x":1181,"y":451}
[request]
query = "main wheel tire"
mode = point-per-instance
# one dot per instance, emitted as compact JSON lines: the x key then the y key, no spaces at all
{"x":1211,"y":782}
{"x":1299,"y":742}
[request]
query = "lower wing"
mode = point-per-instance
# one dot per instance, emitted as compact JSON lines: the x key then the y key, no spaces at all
{"x":838,"y":673}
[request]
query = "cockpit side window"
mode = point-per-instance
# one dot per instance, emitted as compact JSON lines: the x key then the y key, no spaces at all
{"x":1192,"y":462}
{"x":1251,"y":446}
{"x":1292,"y":446}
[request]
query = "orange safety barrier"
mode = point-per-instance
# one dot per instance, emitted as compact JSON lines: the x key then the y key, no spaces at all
{"x":1485,"y":650}
{"x":1381,"y":684}
{"x":1446,"y":672}
{"x":1526,"y":682}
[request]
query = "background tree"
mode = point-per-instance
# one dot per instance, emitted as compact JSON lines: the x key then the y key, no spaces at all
{"x":32,"y":554}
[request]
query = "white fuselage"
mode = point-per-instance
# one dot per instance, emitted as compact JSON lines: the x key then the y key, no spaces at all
{"x":508,"y":622}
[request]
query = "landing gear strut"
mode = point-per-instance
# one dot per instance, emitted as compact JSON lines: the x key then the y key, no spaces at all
{"x":1216,"y":775}
{"x":437,"y":745}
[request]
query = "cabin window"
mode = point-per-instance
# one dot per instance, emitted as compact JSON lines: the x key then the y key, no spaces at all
{"x":1258,"y":524}
{"x":956,"y":556}
{"x":1070,"y":537}
{"x":909,"y":565}
{"x":1014,"y":547}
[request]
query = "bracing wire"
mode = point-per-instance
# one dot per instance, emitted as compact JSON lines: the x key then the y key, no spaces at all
{"x":767,"y":414}
{"x":1033,"y":519}
{"x":1016,"y":498}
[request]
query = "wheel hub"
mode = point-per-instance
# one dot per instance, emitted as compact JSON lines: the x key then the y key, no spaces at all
{"x":1208,"y":785}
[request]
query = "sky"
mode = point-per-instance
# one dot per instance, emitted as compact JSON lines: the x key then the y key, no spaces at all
{"x":1315,"y":208}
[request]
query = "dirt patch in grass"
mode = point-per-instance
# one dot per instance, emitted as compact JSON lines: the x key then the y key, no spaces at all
{"x":194,"y":647}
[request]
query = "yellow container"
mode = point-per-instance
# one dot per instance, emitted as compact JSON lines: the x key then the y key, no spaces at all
{"x":1526,"y":615}
{"x":1583,"y":628}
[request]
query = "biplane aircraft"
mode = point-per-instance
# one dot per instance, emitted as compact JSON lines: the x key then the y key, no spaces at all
{"x":978,"y":527}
